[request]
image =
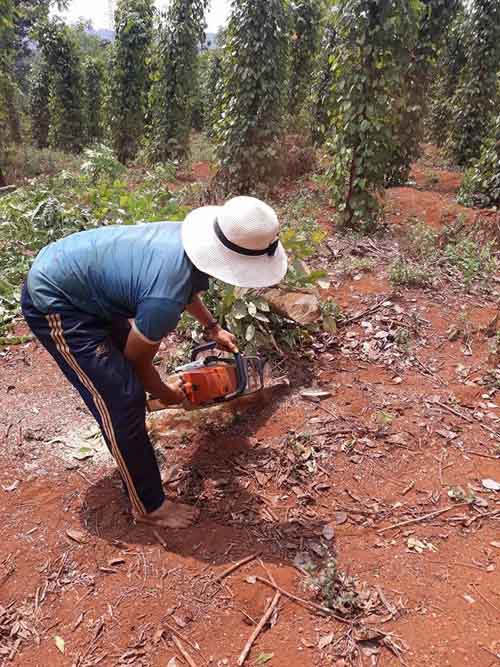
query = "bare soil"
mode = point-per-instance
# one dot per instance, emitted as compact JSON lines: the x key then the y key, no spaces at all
{"x":404,"y":424}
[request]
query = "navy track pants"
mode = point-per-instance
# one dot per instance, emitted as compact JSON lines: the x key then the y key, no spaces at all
{"x":89,"y":352}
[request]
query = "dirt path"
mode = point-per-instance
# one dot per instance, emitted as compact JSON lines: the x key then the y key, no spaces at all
{"x":382,"y":449}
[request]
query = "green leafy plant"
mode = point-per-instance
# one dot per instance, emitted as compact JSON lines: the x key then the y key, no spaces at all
{"x":252,"y":101}
{"x":449,"y":64}
{"x":481,"y":184}
{"x":338,"y":591}
{"x":214,"y":89}
{"x":332,"y":315}
{"x":47,"y":209}
{"x":93,"y":85}
{"x":472,"y":259}
{"x":133,"y":32}
{"x":407,"y":274}
{"x":323,"y":97}
{"x":410,"y":102}
{"x":371,"y":51}
{"x":475,"y":97}
{"x":101,"y":163}
{"x":39,"y":102}
{"x":10,"y":122}
{"x":172,"y":94}
{"x":306,"y":15}
{"x":65,"y":102}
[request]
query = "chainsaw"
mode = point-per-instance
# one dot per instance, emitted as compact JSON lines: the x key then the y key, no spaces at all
{"x":214,"y":379}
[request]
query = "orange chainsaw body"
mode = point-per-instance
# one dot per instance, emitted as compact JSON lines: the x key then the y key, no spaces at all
{"x":202,"y":385}
{"x":214,"y":379}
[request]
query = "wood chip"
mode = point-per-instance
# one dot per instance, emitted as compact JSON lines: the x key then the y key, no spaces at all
{"x":76,"y":535}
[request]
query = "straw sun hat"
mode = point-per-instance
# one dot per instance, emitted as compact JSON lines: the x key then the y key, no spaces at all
{"x":236,"y":243}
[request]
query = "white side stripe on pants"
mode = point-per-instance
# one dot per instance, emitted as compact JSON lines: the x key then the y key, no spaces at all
{"x":57,"y":334}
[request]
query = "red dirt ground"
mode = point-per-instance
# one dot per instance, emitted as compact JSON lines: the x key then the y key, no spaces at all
{"x":386,"y":450}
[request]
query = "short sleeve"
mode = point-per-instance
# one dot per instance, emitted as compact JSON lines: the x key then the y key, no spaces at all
{"x":200,"y":283}
{"x":156,"y":317}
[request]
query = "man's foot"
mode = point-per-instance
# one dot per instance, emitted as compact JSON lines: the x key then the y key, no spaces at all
{"x":171,"y":515}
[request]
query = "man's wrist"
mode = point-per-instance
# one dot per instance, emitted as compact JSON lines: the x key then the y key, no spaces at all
{"x":211,"y":327}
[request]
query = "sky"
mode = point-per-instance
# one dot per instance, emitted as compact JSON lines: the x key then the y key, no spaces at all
{"x":97,"y":12}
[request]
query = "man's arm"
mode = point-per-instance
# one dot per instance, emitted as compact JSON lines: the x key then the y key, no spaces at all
{"x":199,"y":311}
{"x":141,"y":353}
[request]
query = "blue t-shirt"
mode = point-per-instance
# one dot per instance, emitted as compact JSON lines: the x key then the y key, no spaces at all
{"x":137,"y":271}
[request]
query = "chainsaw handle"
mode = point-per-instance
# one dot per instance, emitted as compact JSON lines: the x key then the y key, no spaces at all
{"x":241,"y":374}
{"x":202,"y":348}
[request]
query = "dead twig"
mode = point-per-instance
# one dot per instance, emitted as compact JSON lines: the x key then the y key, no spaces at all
{"x":484,"y":456}
{"x":485,"y":598}
{"x":368,"y":311}
{"x":421,"y":518}
{"x":160,"y":539}
{"x":328,"y":412}
{"x":495,"y":655}
{"x":184,"y":639}
{"x":262,"y":623}
{"x":234,"y":567}
{"x":304,"y":603}
{"x":183,"y":651}
{"x":468,"y":419}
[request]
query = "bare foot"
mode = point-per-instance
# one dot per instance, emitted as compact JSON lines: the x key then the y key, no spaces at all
{"x":171,"y":515}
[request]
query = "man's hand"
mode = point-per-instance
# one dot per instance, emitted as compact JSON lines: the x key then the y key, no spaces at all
{"x":175,"y":393}
{"x":225,"y":340}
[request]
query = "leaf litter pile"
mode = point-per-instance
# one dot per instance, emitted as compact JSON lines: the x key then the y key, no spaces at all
{"x":337,"y":523}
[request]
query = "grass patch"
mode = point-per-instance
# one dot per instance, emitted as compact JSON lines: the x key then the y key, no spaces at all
{"x":26,"y":162}
{"x":458,"y":249}
{"x":351,"y":266}
{"x":407,"y":274}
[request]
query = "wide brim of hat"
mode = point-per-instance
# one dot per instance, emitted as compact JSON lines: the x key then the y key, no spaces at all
{"x":209,"y":255}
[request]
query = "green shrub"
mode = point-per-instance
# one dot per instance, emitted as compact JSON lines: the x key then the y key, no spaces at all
{"x":472,"y":259}
{"x":252,"y":101}
{"x":371,"y":52}
{"x":65,"y":100}
{"x":173,"y":91}
{"x":475,"y":97}
{"x":481,"y":184}
{"x":50,"y":208}
{"x":129,"y":70}
{"x":101,"y":163}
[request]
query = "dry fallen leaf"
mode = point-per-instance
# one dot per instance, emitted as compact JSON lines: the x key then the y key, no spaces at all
{"x":491,"y":484}
{"x":181,"y":622}
{"x":328,"y":532}
{"x":315,"y":395}
{"x":340,"y":518}
{"x":414,"y":544}
{"x":116,"y":561}
{"x":325,"y":641}
{"x":76,"y":535}
{"x":11,"y":487}
{"x":261,"y":478}
{"x":369,"y":648}
{"x":172,"y":662}
{"x":59,"y":643}
{"x":157,"y":636}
